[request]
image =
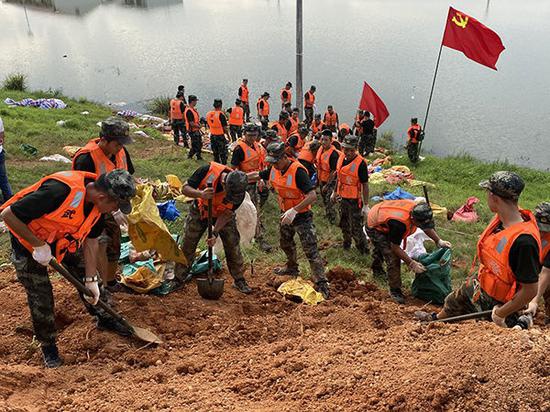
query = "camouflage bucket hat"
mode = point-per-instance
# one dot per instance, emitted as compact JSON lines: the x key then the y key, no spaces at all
{"x":542,"y":214}
{"x":507,"y":185}
{"x":114,"y":128}
{"x":119,"y":185}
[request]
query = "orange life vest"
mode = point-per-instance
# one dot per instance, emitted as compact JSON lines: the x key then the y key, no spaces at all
{"x":101,"y":162}
{"x":331,"y":119}
{"x":315,"y":128}
{"x":212,"y":178}
{"x":175,"y":109}
{"x":493,"y":250}
{"x":400,"y":210}
{"x":413,"y":133}
{"x":306,"y":154}
{"x":299,"y":144}
{"x":252,"y":157}
{"x":265,"y":110}
{"x":236,"y":117}
{"x":289,"y":98}
{"x":244,"y":93}
{"x":323,"y":163}
{"x":349,"y":185}
{"x":293,"y":125}
{"x":285,"y":185}
{"x":310,"y":99}
{"x":345,"y":126}
{"x":214,"y":123}
{"x":67,"y":225}
{"x":545,"y":245}
{"x":358,"y":127}
{"x":196,"y":119}
{"x":262,"y":152}
{"x":281,"y":131}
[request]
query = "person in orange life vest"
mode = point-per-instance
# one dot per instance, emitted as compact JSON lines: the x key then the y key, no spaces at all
{"x":343,"y":131}
{"x":309,"y":105}
{"x":367,"y":140}
{"x":327,"y":161}
{"x":542,"y":214}
{"x":296,"y":142}
{"x":236,"y":120}
{"x":262,"y":106}
{"x":226,"y":188}
{"x":61,"y":216}
{"x":331,"y":119}
{"x":244,"y":95}
{"x":286,"y":95}
{"x":389,"y":223}
{"x":269,"y":136}
{"x":508,"y":257}
{"x":307,"y":156}
{"x":192,"y":122}
{"x":317,"y":125}
{"x":217,"y":123}
{"x":101,"y":156}
{"x":287,"y":107}
{"x":177,"y":107}
{"x":352,"y":192}
{"x":357,"y":129}
{"x":414,"y":137}
{"x":248,"y":156}
{"x":282,"y":126}
{"x":295,"y":194}
{"x":294,"y":121}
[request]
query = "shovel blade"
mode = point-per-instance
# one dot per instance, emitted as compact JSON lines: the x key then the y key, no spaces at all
{"x":145,"y":335}
{"x":210,"y":289}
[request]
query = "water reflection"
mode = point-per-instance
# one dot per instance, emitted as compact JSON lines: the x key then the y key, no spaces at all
{"x":82,"y":7}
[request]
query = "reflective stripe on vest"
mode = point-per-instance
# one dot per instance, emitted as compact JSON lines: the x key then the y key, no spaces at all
{"x":251,"y":161}
{"x":285,"y":185}
{"x":349,"y":185}
{"x":102,"y":163}
{"x":400,"y":210}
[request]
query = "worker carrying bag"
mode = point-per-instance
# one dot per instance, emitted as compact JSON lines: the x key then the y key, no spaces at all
{"x":435,"y":284}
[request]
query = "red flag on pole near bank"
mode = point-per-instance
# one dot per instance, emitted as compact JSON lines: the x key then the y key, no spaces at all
{"x":476,"y":41}
{"x":374,"y":104}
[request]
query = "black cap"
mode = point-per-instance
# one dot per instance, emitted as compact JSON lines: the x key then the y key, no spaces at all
{"x":289,"y":84}
{"x":114,"y":128}
{"x":238,"y":101}
{"x":275,"y":152}
{"x":119,"y":185}
{"x":236,"y":183}
{"x":423,"y":216}
{"x":414,"y":120}
{"x":192,"y":98}
{"x":504,"y":184}
{"x":318,"y":116}
{"x":350,"y":142}
{"x":265,"y":94}
{"x":326,"y":132}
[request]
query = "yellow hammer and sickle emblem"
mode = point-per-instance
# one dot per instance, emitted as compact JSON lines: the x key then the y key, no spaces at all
{"x":460,"y":21}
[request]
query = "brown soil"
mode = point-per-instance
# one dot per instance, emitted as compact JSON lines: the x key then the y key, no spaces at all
{"x":356,"y":352}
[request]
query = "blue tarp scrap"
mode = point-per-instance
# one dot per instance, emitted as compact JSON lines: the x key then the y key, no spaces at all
{"x":168,"y":210}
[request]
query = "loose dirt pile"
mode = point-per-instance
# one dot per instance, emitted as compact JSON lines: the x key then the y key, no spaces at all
{"x":356,"y":352}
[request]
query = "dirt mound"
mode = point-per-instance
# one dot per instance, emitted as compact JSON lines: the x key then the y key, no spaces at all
{"x":358,"y":351}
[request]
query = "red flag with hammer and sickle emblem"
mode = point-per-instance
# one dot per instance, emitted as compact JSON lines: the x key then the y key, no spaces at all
{"x":476,"y":41}
{"x":374,"y":104}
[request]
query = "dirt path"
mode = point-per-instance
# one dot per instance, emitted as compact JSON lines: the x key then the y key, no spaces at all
{"x":357,"y":352}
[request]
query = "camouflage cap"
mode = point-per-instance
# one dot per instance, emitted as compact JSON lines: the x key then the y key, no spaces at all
{"x":251,"y":128}
{"x":542,"y":213}
{"x":236,"y":183}
{"x":119,"y":185}
{"x":114,"y":128}
{"x":275,"y":151}
{"x":314,"y":145}
{"x":350,"y":142}
{"x":271,"y":134}
{"x":505,"y":184}
{"x":423,"y":216}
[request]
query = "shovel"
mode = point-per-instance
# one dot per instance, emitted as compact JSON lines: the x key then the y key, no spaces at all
{"x":477,"y":315}
{"x":140,"y":333}
{"x":210,"y":288}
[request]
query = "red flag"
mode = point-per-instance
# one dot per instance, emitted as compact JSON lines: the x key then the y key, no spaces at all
{"x":374,"y":104}
{"x":476,"y":41}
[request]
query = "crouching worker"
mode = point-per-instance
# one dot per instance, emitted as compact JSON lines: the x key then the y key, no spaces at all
{"x":296,"y":194}
{"x":388,"y":224}
{"x":508,"y":253}
{"x":226,"y":188}
{"x":57,"y":217}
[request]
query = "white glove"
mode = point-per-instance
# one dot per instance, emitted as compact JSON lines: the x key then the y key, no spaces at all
{"x":288,"y":216}
{"x":42,"y":254}
{"x":497,"y":319}
{"x":365,"y":210}
{"x":531,"y":309}
{"x":443,"y":244}
{"x":94,"y":288}
{"x":121,"y":219}
{"x":417,"y":267}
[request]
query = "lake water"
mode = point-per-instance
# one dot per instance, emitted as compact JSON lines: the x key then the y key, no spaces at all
{"x":126,"y":51}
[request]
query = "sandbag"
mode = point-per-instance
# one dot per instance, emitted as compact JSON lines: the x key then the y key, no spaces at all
{"x":143,"y":280}
{"x":246,"y":216}
{"x":435,"y":284}
{"x":414,"y":244}
{"x":301,"y":290}
{"x":466,"y":212}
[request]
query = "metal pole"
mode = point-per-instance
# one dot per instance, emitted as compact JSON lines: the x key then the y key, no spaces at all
{"x":431,"y":94}
{"x":299,"y":67}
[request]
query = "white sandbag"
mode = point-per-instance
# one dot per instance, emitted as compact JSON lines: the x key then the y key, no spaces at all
{"x":55,"y":158}
{"x":415,"y":244}
{"x":247,"y":217}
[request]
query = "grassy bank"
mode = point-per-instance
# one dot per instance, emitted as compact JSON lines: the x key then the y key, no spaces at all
{"x":456,"y":178}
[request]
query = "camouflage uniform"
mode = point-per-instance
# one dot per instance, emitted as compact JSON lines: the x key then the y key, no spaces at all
{"x":412,"y":151}
{"x":111,"y":237}
{"x":196,"y":145}
{"x":219,"y":148}
{"x":351,"y":223}
{"x":195,"y":228}
{"x":326,"y":192}
{"x":303,"y":225}
{"x":383,"y":252}
{"x":34,"y":277}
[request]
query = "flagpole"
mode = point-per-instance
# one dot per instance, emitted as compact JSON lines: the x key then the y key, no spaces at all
{"x":431,"y":94}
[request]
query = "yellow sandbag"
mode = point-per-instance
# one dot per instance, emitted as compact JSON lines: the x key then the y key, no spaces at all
{"x":147,"y":230}
{"x":174,"y":182}
{"x":71,"y":150}
{"x":438,"y":210}
{"x":302,"y":289}
{"x":414,"y":182}
{"x":142,"y":280}
{"x":377,"y":178}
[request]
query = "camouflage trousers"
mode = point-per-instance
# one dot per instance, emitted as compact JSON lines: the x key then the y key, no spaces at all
{"x":308,"y":113}
{"x":111,"y":237}
{"x":383,"y":253}
{"x":351,"y":223}
{"x":303,"y":225}
{"x":219,"y":148}
{"x":195,"y":228}
{"x":326,"y":192}
{"x":34,"y":278}
{"x":367,"y":144}
{"x":412,"y":151}
{"x":196,"y":145}
{"x":256,"y":200}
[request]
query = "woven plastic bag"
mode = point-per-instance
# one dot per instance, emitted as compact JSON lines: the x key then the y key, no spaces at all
{"x":466,"y":213}
{"x":435,"y":284}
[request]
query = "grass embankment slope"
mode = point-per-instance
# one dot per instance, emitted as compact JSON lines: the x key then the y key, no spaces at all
{"x":456,"y":178}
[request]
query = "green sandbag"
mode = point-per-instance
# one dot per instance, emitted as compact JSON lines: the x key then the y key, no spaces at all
{"x":435,"y":284}
{"x":200,"y":265}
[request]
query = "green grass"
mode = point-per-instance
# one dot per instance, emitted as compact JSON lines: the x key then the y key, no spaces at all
{"x":15,"y":81}
{"x":159,"y":106}
{"x":456,"y":178}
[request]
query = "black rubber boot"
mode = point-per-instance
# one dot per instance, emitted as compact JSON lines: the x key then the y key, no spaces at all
{"x":397,"y":296}
{"x":322,"y":288}
{"x":242,"y":286}
{"x":51,"y":356}
{"x":286,"y":271}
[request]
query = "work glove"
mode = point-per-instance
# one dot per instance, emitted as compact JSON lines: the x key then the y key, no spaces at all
{"x":497,"y":319}
{"x":121,"y":220}
{"x":417,"y":267}
{"x":42,"y":254}
{"x":443,"y":244}
{"x":94,"y":288}
{"x":365,"y":211}
{"x":288,"y":216}
{"x":531,"y":309}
